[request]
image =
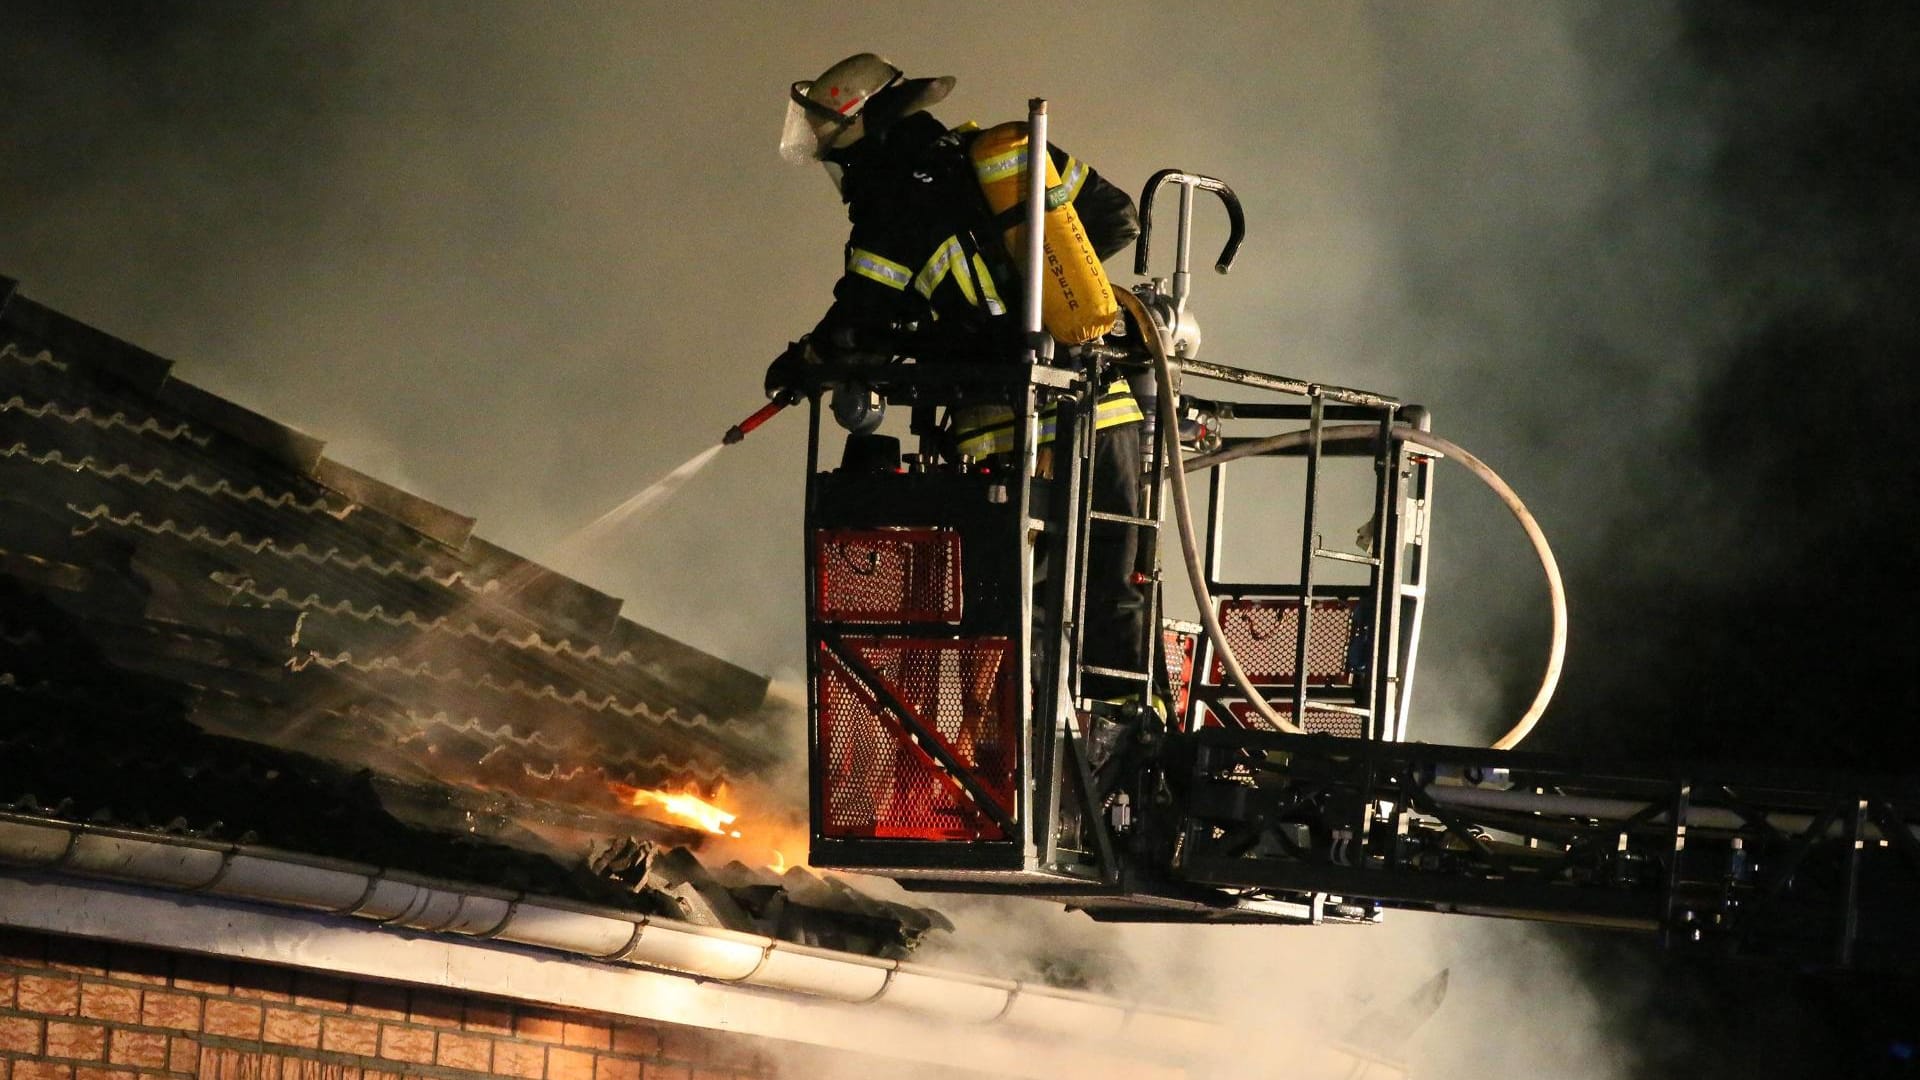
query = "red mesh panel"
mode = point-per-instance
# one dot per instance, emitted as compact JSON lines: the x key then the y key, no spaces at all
{"x":888,"y":575}
{"x":1262,"y":630}
{"x":1327,"y":721}
{"x":876,"y":781}
{"x":1180,"y":645}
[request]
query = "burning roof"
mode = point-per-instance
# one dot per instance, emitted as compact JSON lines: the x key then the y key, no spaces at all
{"x":208,"y":627}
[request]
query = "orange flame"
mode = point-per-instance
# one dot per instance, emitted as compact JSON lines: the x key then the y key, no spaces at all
{"x":685,"y":806}
{"x":773,"y":837}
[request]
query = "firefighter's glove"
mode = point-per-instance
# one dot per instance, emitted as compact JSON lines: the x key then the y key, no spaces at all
{"x":852,"y":347}
{"x":789,"y":370}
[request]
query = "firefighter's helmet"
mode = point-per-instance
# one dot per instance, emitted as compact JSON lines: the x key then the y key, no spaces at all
{"x":831,"y":112}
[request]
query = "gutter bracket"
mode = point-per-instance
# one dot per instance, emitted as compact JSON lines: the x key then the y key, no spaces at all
{"x":619,"y":955}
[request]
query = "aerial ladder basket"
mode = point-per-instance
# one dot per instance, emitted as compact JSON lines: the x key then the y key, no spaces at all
{"x":953,"y":739}
{"x":1263,"y":769}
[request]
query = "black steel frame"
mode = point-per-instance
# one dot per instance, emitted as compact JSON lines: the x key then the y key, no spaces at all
{"x":1062,"y":840}
{"x":1239,"y":825}
{"x":1815,"y":868}
{"x":1394,"y":596}
{"x":1053,"y":513}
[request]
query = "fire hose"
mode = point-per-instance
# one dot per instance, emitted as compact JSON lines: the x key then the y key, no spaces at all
{"x":1190,"y":547}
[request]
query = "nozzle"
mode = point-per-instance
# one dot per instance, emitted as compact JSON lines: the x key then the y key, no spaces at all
{"x":760,"y":416}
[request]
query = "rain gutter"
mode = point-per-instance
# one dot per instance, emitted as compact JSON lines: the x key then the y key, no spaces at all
{"x":452,"y":920}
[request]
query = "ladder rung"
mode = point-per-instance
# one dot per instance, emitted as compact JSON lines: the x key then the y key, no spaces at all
{"x":1125,"y":519}
{"x":1343,"y":556}
{"x":1116,"y":673}
{"x":1327,"y":706}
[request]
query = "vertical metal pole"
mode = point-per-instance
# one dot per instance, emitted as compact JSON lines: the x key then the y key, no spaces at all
{"x":1182,"y":279}
{"x":1384,"y":585}
{"x":1039,"y":351}
{"x":1413,"y":576}
{"x":1849,"y":929}
{"x":816,"y":769}
{"x":1038,"y":761}
{"x":1309,"y":540}
{"x":1073,"y":427}
{"x":1671,"y":935}
{"x":1039,"y":348}
{"x":1027,"y":810}
{"x":1216,"y":523}
{"x":1066,"y":538}
{"x":1213,"y":567}
{"x":1156,"y":642}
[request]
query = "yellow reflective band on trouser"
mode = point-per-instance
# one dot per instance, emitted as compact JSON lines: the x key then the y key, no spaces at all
{"x":984,"y":430}
{"x":878,"y":268}
{"x":981,"y":430}
{"x":1114,"y":411}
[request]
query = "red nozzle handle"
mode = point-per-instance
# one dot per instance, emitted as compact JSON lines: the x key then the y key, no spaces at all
{"x":760,"y":416}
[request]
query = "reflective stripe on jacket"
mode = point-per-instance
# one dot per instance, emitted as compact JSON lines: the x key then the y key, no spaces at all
{"x":923,"y":248}
{"x":981,"y":430}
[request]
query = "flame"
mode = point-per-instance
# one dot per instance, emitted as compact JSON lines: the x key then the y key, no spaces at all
{"x":688,"y":808}
{"x":773,"y":836}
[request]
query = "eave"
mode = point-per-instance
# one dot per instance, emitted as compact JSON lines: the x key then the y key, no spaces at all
{"x":248,"y":903}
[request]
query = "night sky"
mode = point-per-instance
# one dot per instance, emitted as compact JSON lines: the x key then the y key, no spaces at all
{"x":1779,"y":626}
{"x":1654,"y":261}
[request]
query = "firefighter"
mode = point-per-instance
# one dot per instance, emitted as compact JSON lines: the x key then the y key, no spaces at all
{"x":925,"y":253}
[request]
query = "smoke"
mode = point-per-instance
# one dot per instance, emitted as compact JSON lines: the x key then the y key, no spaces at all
{"x":1516,"y":1003}
{"x":530,"y":260}
{"x":546,"y":252}
{"x":525,"y":260}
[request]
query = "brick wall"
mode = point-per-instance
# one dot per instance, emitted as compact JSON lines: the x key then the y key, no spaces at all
{"x":77,"y":1010}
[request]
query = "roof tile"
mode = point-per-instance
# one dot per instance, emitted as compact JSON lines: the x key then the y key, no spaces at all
{"x":207,"y":628}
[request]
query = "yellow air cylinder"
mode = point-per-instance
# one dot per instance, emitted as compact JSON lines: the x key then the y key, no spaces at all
{"x":1076,"y":299}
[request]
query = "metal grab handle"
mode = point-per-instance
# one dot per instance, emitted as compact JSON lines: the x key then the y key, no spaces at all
{"x":1236,"y":221}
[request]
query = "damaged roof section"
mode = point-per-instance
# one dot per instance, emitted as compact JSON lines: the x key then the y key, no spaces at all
{"x":296,"y":602}
{"x":208,"y":627}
